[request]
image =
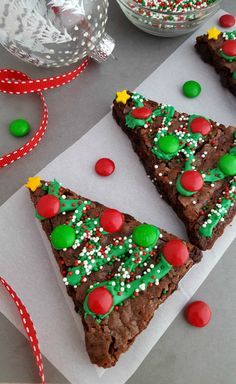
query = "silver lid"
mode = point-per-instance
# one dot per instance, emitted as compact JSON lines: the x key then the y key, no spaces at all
{"x":103,"y":49}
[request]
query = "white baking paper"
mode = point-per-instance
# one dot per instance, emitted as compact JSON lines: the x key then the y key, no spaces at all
{"x":25,"y":256}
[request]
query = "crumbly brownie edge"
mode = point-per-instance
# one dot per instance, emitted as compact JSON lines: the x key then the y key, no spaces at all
{"x":209,"y":56}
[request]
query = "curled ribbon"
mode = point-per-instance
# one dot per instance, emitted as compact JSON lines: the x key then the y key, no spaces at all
{"x":18,"y":83}
{"x":28,"y":326}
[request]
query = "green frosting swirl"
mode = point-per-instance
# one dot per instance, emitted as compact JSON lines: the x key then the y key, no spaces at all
{"x":156,"y":272}
{"x":230,"y":59}
{"x":218,"y":213}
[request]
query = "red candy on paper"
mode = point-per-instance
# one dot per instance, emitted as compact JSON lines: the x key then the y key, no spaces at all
{"x":198,"y":314}
{"x":100,"y":301}
{"x":192,"y":181}
{"x":48,"y":206}
{"x":200,"y":125}
{"x":111,"y":220}
{"x":229,"y":48}
{"x":141,"y":113}
{"x":227,"y":21}
{"x":175,"y":252}
{"x":104,"y":167}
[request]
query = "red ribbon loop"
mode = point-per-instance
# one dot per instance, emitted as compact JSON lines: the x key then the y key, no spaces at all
{"x":17,"y":83}
{"x":28,"y":326}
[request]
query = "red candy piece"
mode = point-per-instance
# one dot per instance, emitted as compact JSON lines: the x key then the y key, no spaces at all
{"x":175,"y":252}
{"x":227,"y":21}
{"x":229,"y":48}
{"x":111,"y":220}
{"x":100,"y":301}
{"x":192,"y":181}
{"x":141,"y":113}
{"x":200,"y":125}
{"x":48,"y":206}
{"x":104,"y":167}
{"x":198,"y":314}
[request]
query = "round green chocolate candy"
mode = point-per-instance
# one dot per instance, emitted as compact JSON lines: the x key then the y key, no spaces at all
{"x":63,"y":236}
{"x":227,"y":164}
{"x":146,"y":235}
{"x":19,"y":128}
{"x":191,"y":89}
{"x":168,"y":144}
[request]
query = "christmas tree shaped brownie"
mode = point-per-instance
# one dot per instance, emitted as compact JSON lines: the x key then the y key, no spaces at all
{"x":190,"y":159}
{"x":219,"y":50}
{"x":116,"y":270}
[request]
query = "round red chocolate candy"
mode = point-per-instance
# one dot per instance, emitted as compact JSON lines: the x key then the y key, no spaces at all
{"x":141,"y":113}
{"x":48,"y":206}
{"x":200,"y":125}
{"x":227,"y":21}
{"x":175,"y":252}
{"x":192,"y":181}
{"x":111,"y":220}
{"x":100,"y":301}
{"x":198,"y":314}
{"x":104,"y":167}
{"x":229,"y":48}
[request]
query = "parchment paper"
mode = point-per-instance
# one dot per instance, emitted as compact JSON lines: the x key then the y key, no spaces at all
{"x":26,"y":257}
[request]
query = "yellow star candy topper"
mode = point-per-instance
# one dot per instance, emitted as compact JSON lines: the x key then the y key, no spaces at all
{"x":213,"y":33}
{"x":122,"y":97}
{"x":33,"y":183}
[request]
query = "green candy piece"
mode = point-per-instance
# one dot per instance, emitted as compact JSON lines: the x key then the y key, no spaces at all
{"x":234,"y":75}
{"x":63,"y":236}
{"x":146,"y":235}
{"x":168,"y":144}
{"x":227,"y":164}
{"x":191,"y":89}
{"x":19,"y":128}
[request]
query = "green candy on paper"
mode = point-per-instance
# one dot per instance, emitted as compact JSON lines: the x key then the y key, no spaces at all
{"x":191,"y":89}
{"x":19,"y":128}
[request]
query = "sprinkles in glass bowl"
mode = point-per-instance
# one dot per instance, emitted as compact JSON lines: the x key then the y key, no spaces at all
{"x":168,"y":17}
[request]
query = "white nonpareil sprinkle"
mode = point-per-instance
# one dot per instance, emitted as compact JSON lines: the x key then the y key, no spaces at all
{"x":142,"y":287}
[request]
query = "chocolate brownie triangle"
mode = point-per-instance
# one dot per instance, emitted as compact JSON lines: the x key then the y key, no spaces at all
{"x":116,"y":270}
{"x":190,"y":159}
{"x":219,"y":50}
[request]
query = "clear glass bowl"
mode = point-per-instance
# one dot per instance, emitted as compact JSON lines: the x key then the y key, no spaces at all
{"x":167,"y":24}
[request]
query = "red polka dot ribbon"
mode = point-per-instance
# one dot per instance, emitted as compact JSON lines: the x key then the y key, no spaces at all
{"x":18,"y":83}
{"x":28,"y":326}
